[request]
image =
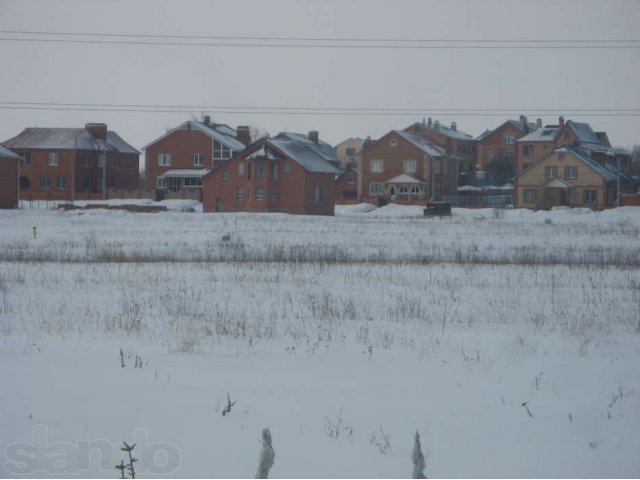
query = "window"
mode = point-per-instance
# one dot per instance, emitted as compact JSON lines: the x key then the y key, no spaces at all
{"x":375,"y":188}
{"x":415,"y":189}
{"x":161,"y":182}
{"x":259,"y":193}
{"x":221,"y":152}
{"x":193,"y":182}
{"x":590,"y":196}
{"x":393,"y":142}
{"x":376,"y":166}
{"x":550,"y":172}
{"x":259,"y":171}
{"x":240,"y":168}
{"x":164,"y":159}
{"x":508,"y":139}
{"x":26,"y":158}
{"x":571,"y":172}
{"x":54,"y":159}
{"x":508,"y":156}
{"x":274,"y":171}
{"x":273,"y":195}
{"x":318,"y":194}
{"x":527,"y":150}
{"x":239,"y":193}
{"x":225,"y":177}
{"x":410,"y":166}
{"x":45,"y":181}
{"x":492,"y":156}
{"x":60,"y":182}
{"x":198,"y":160}
{"x":351,"y":179}
{"x":436,"y":166}
{"x":287,"y":168}
{"x":530,"y":195}
{"x":404,"y":189}
{"x":350,"y":152}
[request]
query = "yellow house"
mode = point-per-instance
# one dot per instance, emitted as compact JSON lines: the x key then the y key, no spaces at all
{"x":569,"y":176}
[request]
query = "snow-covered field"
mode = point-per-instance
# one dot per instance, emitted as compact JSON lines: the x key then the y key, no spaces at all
{"x":508,"y":339}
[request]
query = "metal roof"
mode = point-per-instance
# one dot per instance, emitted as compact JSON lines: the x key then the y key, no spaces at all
{"x":185,"y":173}
{"x":221,"y":133}
{"x":514,"y":123}
{"x":608,"y":171}
{"x":6,"y":153}
{"x":584,"y":132}
{"x":424,"y":144}
{"x":442,"y":129}
{"x":322,"y":148}
{"x":302,"y":152}
{"x":68,"y":139}
{"x":542,"y":134}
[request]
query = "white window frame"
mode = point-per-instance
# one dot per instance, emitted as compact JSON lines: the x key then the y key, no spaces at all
{"x":259,"y":194}
{"x":54,"y":159}
{"x":376,"y":188}
{"x":376,"y":166}
{"x":240,"y":168}
{"x":509,"y":139}
{"x":164,"y":159}
{"x":198,"y":160}
{"x":410,"y":166}
{"x":161,"y":183}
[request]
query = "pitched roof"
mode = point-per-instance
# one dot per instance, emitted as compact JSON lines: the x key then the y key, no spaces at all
{"x":6,"y":153}
{"x":219,"y":132}
{"x":583,"y":132}
{"x":514,"y":123}
{"x":68,"y":138}
{"x":424,"y":144}
{"x":313,"y":157}
{"x":442,"y":129}
{"x":405,"y":178}
{"x":185,"y":173}
{"x":542,"y":134}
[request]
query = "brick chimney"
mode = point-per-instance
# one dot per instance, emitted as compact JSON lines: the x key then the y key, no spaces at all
{"x":98,"y":130}
{"x":429,"y":124}
{"x":243,"y":135}
{"x":523,"y":121}
{"x":314,"y":136}
{"x":561,"y":122}
{"x":454,"y":126}
{"x":207,"y":119}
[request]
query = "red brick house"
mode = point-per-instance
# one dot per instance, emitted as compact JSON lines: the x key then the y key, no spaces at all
{"x":9,"y":173}
{"x":70,"y":163}
{"x":497,"y":152}
{"x":455,"y":142}
{"x":176,"y":162}
{"x":347,"y":186}
{"x":290,"y":173}
{"x":404,"y":167}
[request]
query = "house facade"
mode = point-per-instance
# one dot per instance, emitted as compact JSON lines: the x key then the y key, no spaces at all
{"x":497,"y":149}
{"x":455,"y":142}
{"x":569,"y":176}
{"x":404,"y":167}
{"x":290,"y":173}
{"x":70,"y":163}
{"x":9,"y":174}
{"x":347,"y":186}
{"x":348,"y":152}
{"x":176,"y":162}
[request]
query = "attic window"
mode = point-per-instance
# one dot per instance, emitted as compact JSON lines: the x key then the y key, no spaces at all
{"x":393,"y":142}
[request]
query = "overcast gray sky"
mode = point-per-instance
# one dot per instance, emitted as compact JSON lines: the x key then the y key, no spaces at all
{"x":425,"y":79}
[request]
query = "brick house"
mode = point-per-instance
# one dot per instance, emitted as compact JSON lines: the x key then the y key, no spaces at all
{"x":290,"y":173}
{"x":348,"y":151}
{"x":176,"y":162}
{"x":71,"y":163}
{"x":9,"y":174}
{"x":347,"y":186}
{"x":569,"y":176}
{"x":497,"y":152}
{"x":403,"y":167}
{"x":455,"y":142}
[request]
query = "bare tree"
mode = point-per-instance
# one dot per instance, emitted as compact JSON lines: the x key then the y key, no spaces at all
{"x":267,"y":455}
{"x":258,"y":132}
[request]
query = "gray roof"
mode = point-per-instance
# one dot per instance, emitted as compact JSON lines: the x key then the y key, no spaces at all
{"x":584,"y":132}
{"x":220,"y":132}
{"x":608,"y":171}
{"x":424,"y":144}
{"x":68,"y":139}
{"x":6,"y":153}
{"x":311,"y":156}
{"x":442,"y":129}
{"x":514,"y":123}
{"x":542,"y":134}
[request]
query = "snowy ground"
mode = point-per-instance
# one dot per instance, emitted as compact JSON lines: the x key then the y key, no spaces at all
{"x":508,"y":339}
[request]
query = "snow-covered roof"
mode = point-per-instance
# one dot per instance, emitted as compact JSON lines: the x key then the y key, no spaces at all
{"x":608,"y":171}
{"x":320,"y":147}
{"x":221,"y":133}
{"x":440,"y":128}
{"x":583,"y":131}
{"x":264,"y":152}
{"x":6,"y":153}
{"x":305,"y":152}
{"x":185,"y":173}
{"x":524,"y":126}
{"x":405,"y":178}
{"x":559,"y":183}
{"x":542,"y":134}
{"x":68,"y":139}
{"x":424,"y":144}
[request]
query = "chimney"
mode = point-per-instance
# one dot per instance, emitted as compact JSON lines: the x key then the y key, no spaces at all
{"x":429,"y":124}
{"x":454,"y":126}
{"x":207,"y":119}
{"x":561,"y":122}
{"x":243,"y":134}
{"x":314,"y":136}
{"x":98,"y":130}
{"x":523,"y":121}
{"x":436,"y":125}
{"x":539,"y":123}
{"x":423,"y":121}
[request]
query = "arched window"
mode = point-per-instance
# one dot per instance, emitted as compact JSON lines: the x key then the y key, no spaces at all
{"x":404,"y":189}
{"x":415,"y":189}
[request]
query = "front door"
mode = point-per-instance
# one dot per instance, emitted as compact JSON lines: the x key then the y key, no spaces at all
{"x":392,"y":192}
